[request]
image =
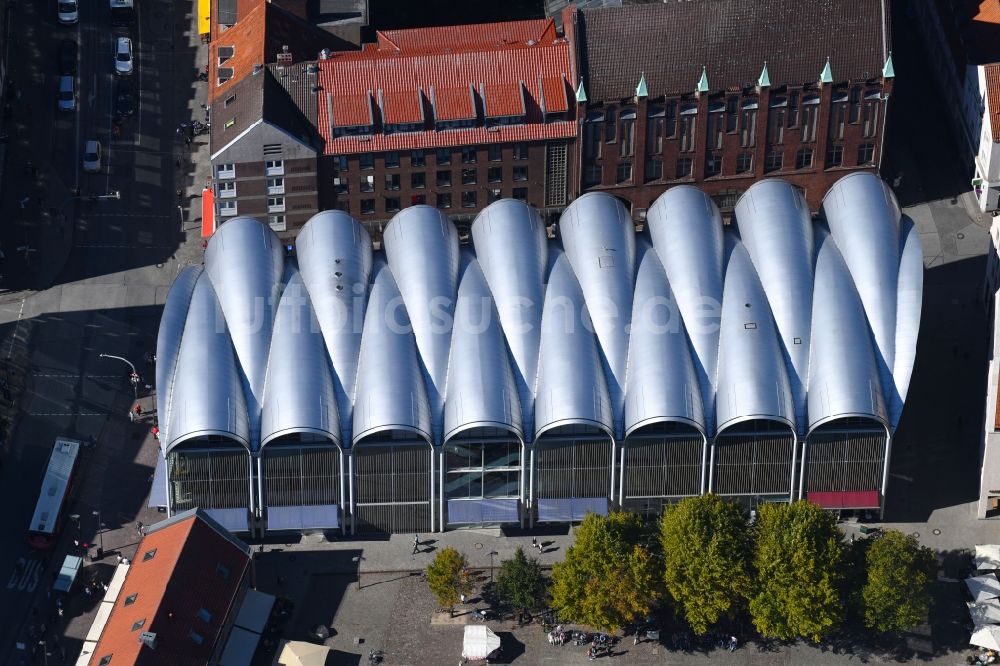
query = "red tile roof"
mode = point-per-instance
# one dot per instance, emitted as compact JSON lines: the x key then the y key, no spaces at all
{"x":453,"y":103}
{"x":503,"y":99}
{"x":352,"y":110}
{"x":406,"y":61}
{"x":993,"y":98}
{"x":402,"y":106}
{"x":554,"y":93}
{"x":183,"y":576}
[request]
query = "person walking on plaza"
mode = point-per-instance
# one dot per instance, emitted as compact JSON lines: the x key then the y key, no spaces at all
{"x":416,"y":544}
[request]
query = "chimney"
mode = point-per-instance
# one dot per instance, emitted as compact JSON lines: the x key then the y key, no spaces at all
{"x":285,"y":58}
{"x":148,"y":638}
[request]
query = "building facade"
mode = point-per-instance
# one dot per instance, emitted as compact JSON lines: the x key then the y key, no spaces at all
{"x":656,"y":112}
{"x":986,"y":179}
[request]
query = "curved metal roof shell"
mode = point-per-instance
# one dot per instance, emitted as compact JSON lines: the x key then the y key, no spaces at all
{"x":512,"y":248}
{"x":507,"y":337}
{"x":686,"y":230}
{"x":661,"y":384}
{"x":572,"y":389}
{"x":249,"y":299}
{"x":481,"y":390}
{"x":390,"y":388}
{"x":599,"y":240}
{"x":335,"y":261}
{"x":168,"y":341}
{"x":844,"y":377}
{"x":753,"y":380}
{"x":298,"y":389}
{"x":207,"y":396}
{"x":776,"y":228}
{"x":421,"y":245}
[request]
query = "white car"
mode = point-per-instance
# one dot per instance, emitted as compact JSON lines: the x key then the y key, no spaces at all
{"x":123,"y":56}
{"x":67,"y":11}
{"x":67,"y":93}
{"x":92,"y":156}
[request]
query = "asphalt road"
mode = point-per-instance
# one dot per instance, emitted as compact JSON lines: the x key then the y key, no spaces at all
{"x":84,"y":277}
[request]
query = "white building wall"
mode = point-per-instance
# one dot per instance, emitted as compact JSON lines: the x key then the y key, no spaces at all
{"x":987,"y":178}
{"x":989,"y":483}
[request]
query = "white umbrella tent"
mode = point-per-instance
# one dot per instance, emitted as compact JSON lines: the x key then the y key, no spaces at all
{"x":988,"y":557}
{"x":479,"y":643}
{"x":986,"y":636}
{"x":986,"y":612}
{"x":983,"y":588}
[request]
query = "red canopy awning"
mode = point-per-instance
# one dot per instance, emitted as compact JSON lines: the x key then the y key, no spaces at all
{"x":207,"y":212}
{"x":845,"y":499}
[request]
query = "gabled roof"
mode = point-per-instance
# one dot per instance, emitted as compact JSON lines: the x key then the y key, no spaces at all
{"x":456,"y":103}
{"x":503,"y":99}
{"x":993,"y":99}
{"x":351,"y":110}
{"x":671,"y":41}
{"x":554,"y":95}
{"x":183,"y":565}
{"x":402,"y":106}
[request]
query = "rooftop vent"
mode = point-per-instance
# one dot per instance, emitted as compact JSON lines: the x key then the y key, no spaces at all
{"x":324,"y":54}
{"x":312,"y":68}
{"x":285,"y":57}
{"x":148,"y":638}
{"x":257,"y":69}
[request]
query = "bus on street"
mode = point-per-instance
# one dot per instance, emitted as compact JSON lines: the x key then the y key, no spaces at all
{"x":56,"y":486}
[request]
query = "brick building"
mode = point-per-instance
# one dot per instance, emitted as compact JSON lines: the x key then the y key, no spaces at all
{"x":720,"y":94}
{"x":453,"y":117}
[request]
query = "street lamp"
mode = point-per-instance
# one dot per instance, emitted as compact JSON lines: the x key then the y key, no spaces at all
{"x":492,"y":554}
{"x":133,"y":378}
{"x":100,"y":534}
{"x":359,"y":560}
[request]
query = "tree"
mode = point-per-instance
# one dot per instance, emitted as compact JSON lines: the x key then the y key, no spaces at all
{"x":447,"y":578}
{"x":797,"y":562}
{"x":899,"y":573}
{"x":608,"y":578}
{"x":520,"y":582}
{"x":706,"y":553}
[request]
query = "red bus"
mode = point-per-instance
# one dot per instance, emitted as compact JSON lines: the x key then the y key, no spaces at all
{"x":56,"y":486}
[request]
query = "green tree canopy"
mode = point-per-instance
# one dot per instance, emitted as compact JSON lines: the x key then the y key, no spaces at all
{"x":608,"y":578}
{"x":899,"y":573}
{"x":520,"y":582}
{"x":798,"y":566}
{"x":706,"y":553}
{"x":446,"y":576}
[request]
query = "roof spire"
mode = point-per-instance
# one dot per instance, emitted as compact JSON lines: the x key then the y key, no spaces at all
{"x":888,"y":72}
{"x":581,"y":94}
{"x":641,"y":90}
{"x":764,"y":80}
{"x":703,"y":81}
{"x":826,"y":76}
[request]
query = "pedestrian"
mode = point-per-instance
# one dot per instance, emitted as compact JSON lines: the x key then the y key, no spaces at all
{"x":137,"y":409}
{"x":59,"y":611}
{"x":120,"y":558}
{"x":462,"y":597}
{"x":534,"y":543}
{"x":635,"y":641}
{"x":156,"y":433}
{"x":131,"y":416}
{"x":24,"y":202}
{"x":416,"y":544}
{"x":187,"y":141}
{"x":138,"y":527}
{"x":733,"y":643}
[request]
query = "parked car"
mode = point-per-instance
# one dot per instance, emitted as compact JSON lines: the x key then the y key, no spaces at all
{"x":67,"y":93}
{"x":124,"y":102}
{"x":67,"y":57}
{"x":92,"y":156}
{"x":123,"y":56}
{"x":67,"y":11}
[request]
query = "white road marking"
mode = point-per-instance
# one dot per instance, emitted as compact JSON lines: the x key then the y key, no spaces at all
{"x":64,"y":414}
{"x":74,"y":376}
{"x":26,"y":575}
{"x":13,"y":336}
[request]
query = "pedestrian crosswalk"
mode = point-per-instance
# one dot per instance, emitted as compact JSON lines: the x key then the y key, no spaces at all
{"x":26,"y":575}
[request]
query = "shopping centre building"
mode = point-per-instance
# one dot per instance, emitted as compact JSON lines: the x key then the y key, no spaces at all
{"x":531,"y":375}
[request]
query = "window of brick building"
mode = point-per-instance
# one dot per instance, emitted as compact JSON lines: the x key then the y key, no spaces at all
{"x":748,"y":122}
{"x":773,"y":160}
{"x":744,"y":162}
{"x":392,"y":181}
{"x":689,"y":118}
{"x":654,"y":170}
{"x":344,"y":205}
{"x":520,"y":193}
{"x":443,"y":200}
{"x":654,"y":130}
{"x":342,"y":162}
{"x":626,"y":147}
{"x":417,"y":158}
{"x":610,"y":126}
{"x":469,"y":199}
{"x":713,"y":164}
{"x":716,"y":123}
{"x":418,"y":199}
{"x":810,"y":115}
{"x":520,"y":151}
{"x":418,"y":180}
{"x":391,"y":159}
{"x":838,"y":118}
{"x":492,"y":195}
{"x":275,"y":185}
{"x":683,"y":169}
{"x":855,"y":111}
{"x":494,"y":174}
{"x":391,"y":204}
{"x":367,"y":206}
{"x":592,"y":130}
{"x":367,"y":184}
{"x":592,"y":175}
{"x":869,"y":120}
{"x":468,"y":155}
{"x":443,"y":156}
{"x":443,"y":179}
{"x":670,"y":118}
{"x":520,"y":173}
{"x":866,"y":153}
{"x":366,"y":161}
{"x":793,"y":108}
{"x":803,"y":158}
{"x":468,"y":176}
{"x":341,"y":186}
{"x":494,"y":153}
{"x":732,"y":106}
{"x":623,"y":173}
{"x":834,"y":156}
{"x":776,"y":120}
{"x":276,"y":204}
{"x":226,"y":190}
{"x":227,"y":208}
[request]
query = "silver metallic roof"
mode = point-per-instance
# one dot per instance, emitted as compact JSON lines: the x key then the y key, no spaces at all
{"x":335,"y":260}
{"x":481,"y":390}
{"x":599,"y":239}
{"x":298,"y":389}
{"x":516,"y":332}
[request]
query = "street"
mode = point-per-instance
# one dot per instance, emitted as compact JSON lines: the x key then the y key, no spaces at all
{"x":85,"y":273}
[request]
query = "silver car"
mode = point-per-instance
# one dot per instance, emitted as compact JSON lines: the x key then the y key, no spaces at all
{"x":123,"y":56}
{"x":67,"y":93}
